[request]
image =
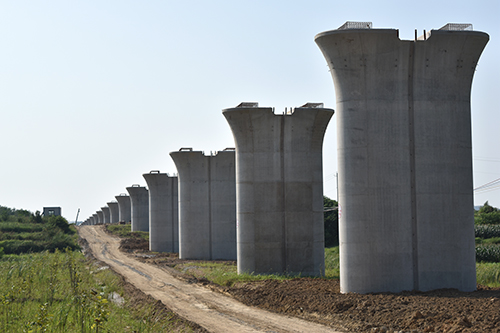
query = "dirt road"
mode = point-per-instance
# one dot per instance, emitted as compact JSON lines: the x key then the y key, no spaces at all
{"x":211,"y":310}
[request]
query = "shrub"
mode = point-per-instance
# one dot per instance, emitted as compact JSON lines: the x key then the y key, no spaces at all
{"x":487,"y":218}
{"x":58,"y":222}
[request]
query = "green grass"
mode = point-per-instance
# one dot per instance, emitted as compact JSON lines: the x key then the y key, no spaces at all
{"x":493,"y":240}
{"x":488,"y":274}
{"x":225,"y":273}
{"x":332,"y":265}
{"x":27,"y":237}
{"x":123,"y":231}
{"x":61,"y":292}
{"x":20,"y":227}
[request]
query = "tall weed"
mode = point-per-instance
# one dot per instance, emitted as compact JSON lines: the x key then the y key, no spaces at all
{"x":60,"y":292}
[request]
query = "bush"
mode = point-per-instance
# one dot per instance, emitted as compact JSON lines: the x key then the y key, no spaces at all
{"x":488,"y":253}
{"x":487,"y":231}
{"x":487,"y":215}
{"x":58,"y":222}
{"x":487,"y":218}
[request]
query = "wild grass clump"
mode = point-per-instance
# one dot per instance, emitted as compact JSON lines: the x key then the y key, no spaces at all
{"x":488,"y":274}
{"x":332,"y":264}
{"x":62,"y":292}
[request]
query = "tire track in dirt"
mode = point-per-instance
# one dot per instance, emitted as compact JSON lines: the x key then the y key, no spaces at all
{"x":213,"y":311}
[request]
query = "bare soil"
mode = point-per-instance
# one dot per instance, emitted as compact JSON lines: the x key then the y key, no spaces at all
{"x":139,"y":302}
{"x":189,"y":297}
{"x":320,"y":300}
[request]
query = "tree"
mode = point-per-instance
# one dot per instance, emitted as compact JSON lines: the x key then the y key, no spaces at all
{"x":331,"y":222}
{"x":487,"y":215}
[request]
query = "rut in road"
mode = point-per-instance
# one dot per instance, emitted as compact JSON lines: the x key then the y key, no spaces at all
{"x":211,"y":310}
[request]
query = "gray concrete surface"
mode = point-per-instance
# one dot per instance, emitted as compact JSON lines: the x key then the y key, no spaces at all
{"x":207,"y":204}
{"x":404,"y":157}
{"x":95,"y":219}
{"x":100,"y":217}
{"x":106,"y":214}
{"x":279,"y":184}
{"x":163,"y":212}
{"x":114,"y":215}
{"x":139,"y":203}
{"x":124,"y":208}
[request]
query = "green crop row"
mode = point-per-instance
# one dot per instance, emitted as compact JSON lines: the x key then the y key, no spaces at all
{"x":487,"y":231}
{"x":488,"y":253}
{"x":20,"y":227}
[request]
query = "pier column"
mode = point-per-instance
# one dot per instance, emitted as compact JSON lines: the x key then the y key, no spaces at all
{"x":163,"y":212}
{"x":207,"y":204}
{"x":106,"y":214}
{"x":139,"y":203}
{"x":404,"y":156}
{"x":124,"y":208}
{"x":279,"y":184}
{"x":113,"y":212}
{"x":100,"y":217}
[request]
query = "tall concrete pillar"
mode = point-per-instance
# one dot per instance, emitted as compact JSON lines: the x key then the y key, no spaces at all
{"x":113,"y":212}
{"x":139,"y":203}
{"x":105,"y":213}
{"x":95,"y":219}
{"x":100,"y":217}
{"x":207,"y":204}
{"x":279,"y":186}
{"x":404,"y":157}
{"x":163,"y":212}
{"x":124,"y":208}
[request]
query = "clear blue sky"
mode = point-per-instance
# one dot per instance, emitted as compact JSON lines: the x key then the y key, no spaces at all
{"x":95,"y":93}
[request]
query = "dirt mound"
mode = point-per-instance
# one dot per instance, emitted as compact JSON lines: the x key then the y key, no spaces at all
{"x":320,"y":300}
{"x":131,"y":244}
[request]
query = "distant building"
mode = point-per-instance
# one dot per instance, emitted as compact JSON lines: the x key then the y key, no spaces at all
{"x":51,"y":211}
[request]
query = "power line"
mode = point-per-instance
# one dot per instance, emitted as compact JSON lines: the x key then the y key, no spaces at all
{"x":490,"y":186}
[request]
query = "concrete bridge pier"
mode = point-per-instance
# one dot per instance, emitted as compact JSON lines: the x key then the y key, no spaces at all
{"x":163,"y":212}
{"x":106,"y":214}
{"x":279,"y":184}
{"x":124,"y":208}
{"x":113,"y":212}
{"x":404,"y":156}
{"x":207,"y":204}
{"x":139,"y":202}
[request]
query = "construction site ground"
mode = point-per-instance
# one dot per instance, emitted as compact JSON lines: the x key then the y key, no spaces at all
{"x":298,"y":305}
